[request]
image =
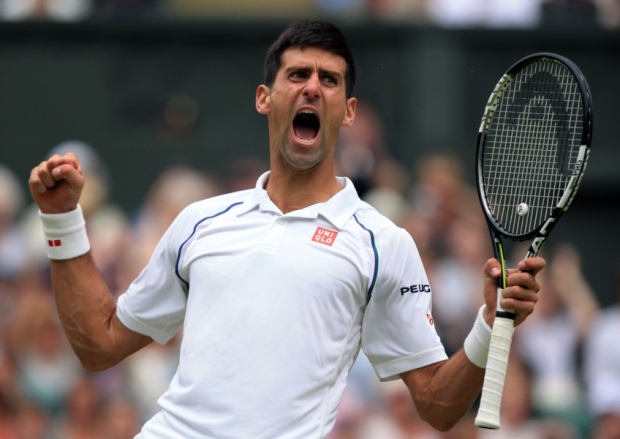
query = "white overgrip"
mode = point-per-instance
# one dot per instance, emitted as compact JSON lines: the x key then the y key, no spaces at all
{"x":497,"y":364}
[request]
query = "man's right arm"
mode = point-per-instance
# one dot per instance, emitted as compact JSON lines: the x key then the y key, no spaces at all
{"x":86,"y":307}
{"x":87,"y":312}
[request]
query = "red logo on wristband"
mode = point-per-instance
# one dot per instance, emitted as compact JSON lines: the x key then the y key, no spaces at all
{"x":54,"y":243}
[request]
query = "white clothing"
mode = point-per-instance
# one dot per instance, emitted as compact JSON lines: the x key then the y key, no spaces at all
{"x":602,"y":363}
{"x":486,"y":13}
{"x":274,"y":310}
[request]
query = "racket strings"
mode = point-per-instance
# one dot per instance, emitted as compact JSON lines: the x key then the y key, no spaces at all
{"x":532,"y":145}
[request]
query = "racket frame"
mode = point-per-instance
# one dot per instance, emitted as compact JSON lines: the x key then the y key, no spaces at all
{"x":501,"y":339}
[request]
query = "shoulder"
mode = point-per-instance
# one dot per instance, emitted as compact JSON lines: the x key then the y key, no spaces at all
{"x":393,"y":245}
{"x":207,"y":209}
{"x":214,"y":206}
{"x":384,"y":230}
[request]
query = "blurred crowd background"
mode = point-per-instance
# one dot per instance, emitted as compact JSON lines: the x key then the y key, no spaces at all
{"x":564,"y":374}
{"x":493,"y":13}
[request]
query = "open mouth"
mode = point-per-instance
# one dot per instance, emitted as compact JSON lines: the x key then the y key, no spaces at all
{"x":306,"y":126}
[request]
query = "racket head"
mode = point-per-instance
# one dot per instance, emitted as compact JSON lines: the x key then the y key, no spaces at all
{"x":533,"y":145}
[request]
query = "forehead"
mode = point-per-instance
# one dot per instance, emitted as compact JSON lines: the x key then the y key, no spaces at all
{"x":313,"y":57}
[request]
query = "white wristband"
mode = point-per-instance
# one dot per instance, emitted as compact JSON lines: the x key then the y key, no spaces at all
{"x":476,"y":344}
{"x":65,"y":234}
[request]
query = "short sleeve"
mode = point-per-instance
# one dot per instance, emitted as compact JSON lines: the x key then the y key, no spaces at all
{"x":398,"y":331}
{"x":154,"y":304}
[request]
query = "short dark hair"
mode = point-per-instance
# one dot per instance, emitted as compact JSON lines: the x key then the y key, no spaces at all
{"x":310,"y":33}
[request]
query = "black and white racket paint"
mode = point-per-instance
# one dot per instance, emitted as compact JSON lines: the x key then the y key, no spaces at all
{"x":533,"y":147}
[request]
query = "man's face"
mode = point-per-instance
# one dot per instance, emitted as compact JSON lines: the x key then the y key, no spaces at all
{"x":306,"y":105}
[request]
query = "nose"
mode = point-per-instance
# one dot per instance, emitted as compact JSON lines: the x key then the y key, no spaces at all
{"x":313,"y":87}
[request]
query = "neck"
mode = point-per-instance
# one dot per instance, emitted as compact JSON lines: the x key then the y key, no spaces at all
{"x":295,"y":191}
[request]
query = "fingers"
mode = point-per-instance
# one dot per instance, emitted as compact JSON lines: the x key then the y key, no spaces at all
{"x":518,"y":298}
{"x":47,"y":173}
{"x":522,"y":285}
{"x":56,"y":183}
{"x":532,"y":265}
{"x":40,"y":179}
{"x":521,"y":292}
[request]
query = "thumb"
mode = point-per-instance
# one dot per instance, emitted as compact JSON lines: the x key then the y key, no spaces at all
{"x":492,"y":272}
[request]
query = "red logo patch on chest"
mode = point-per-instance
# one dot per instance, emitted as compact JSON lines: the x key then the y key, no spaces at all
{"x":324,"y":236}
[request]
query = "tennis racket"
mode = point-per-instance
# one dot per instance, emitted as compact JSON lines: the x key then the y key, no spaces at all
{"x":533,"y":146}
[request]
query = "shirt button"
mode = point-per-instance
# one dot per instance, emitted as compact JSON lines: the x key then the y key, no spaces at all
{"x":281,"y":221}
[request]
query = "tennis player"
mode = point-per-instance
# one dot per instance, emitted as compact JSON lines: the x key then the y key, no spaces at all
{"x":276,"y":288}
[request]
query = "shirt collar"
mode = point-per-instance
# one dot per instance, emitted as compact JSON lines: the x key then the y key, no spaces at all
{"x":255,"y":197}
{"x":337,"y":210}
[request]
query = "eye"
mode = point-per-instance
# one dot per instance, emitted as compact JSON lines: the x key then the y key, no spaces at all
{"x":297,"y":75}
{"x":330,"y":79}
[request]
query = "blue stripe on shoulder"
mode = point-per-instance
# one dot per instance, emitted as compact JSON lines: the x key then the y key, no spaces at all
{"x":176,"y":269}
{"x":376,"y":252}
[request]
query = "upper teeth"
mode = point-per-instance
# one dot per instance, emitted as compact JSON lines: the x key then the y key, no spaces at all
{"x":306,"y":111}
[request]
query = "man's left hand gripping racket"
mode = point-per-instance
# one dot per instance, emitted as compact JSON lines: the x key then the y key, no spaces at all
{"x":533,"y":145}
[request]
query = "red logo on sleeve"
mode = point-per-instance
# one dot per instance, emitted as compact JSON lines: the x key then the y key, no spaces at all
{"x":430,"y":319}
{"x":324,"y":236}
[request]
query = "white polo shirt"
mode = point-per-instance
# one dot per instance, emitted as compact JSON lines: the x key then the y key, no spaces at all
{"x":274,"y":309}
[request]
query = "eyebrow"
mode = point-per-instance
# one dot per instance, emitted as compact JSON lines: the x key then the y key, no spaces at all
{"x":307,"y":69}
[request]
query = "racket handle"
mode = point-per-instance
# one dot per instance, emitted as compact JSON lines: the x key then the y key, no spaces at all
{"x":497,"y":363}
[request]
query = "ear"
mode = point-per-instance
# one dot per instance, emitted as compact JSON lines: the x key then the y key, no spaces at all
{"x":349,"y":116}
{"x":263,"y":97}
